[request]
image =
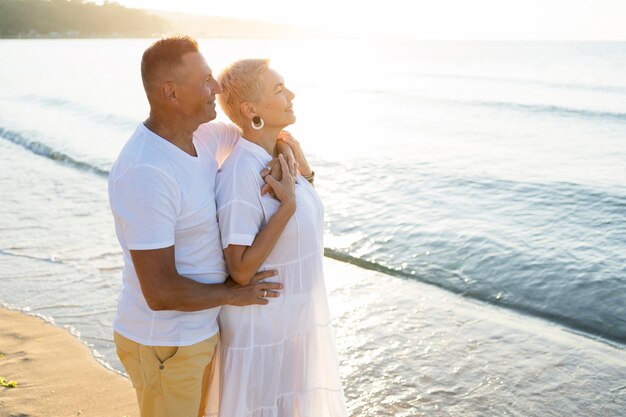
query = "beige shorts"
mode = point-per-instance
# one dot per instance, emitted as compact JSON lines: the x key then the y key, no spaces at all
{"x":170,"y":381}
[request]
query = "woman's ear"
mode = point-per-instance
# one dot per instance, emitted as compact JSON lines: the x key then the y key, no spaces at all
{"x":247,"y":109}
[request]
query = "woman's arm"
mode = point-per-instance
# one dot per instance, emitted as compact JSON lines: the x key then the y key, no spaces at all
{"x":244,"y":261}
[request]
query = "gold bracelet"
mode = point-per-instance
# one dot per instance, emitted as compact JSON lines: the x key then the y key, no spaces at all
{"x":311,"y":177}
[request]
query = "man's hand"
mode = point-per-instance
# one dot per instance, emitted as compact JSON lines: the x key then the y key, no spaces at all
{"x":256,"y":292}
{"x":302,"y":163}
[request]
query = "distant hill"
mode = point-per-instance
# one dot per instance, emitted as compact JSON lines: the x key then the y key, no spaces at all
{"x":222,"y":27}
{"x":61,"y":18}
{"x":80,"y":19}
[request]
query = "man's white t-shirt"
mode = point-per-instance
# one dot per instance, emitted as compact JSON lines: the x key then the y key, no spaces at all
{"x":161,"y":196}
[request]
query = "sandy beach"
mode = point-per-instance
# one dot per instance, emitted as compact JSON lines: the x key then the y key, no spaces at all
{"x":56,"y":374}
{"x":436,"y":354}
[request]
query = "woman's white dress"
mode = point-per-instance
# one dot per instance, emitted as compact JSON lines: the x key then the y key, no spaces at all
{"x":279,"y":359}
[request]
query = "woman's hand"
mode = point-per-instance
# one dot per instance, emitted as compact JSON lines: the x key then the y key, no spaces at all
{"x":285,"y":189}
{"x":274,"y":169}
{"x":303,"y":164}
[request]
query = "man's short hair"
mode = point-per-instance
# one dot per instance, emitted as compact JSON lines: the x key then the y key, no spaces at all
{"x":163,"y":56}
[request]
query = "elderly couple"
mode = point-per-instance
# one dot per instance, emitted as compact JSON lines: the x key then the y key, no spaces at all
{"x":242,"y":247}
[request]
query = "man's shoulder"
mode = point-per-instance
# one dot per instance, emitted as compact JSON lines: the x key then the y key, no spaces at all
{"x":139,"y":154}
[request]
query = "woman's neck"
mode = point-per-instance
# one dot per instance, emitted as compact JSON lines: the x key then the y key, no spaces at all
{"x":265,"y":138}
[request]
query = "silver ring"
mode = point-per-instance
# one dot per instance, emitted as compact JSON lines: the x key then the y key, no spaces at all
{"x":264,"y":293}
{"x":269,"y":168}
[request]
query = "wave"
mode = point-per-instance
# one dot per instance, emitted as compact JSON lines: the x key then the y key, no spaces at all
{"x":365,"y":264}
{"x":600,"y":88}
{"x":610,"y":197}
{"x":545,"y":109}
{"x":553,"y":110}
{"x":44,"y":150}
{"x":569,"y":323}
{"x":83,"y":111}
{"x":51,"y":260}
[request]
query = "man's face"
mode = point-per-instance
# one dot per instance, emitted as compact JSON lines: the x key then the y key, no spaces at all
{"x":196,"y":89}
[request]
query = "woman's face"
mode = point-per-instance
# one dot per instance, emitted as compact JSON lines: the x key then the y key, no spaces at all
{"x":274,"y":106}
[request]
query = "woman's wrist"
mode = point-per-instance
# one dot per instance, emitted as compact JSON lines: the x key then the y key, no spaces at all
{"x":288,"y":207}
{"x":310,"y":177}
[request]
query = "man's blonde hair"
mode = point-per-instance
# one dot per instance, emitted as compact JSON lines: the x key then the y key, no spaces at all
{"x":241,"y":81}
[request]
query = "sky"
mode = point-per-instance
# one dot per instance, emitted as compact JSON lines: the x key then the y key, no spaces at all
{"x":434,"y":19}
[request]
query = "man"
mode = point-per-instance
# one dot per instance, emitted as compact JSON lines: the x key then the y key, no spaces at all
{"x":161,"y":191}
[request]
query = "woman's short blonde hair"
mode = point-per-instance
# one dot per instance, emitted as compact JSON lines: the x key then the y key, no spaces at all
{"x":241,"y":81}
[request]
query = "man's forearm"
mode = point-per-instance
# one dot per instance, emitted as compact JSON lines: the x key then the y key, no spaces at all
{"x":185,"y":294}
{"x":165,"y":289}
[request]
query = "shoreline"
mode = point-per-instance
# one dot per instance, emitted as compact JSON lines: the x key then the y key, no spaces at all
{"x":55,"y":373}
{"x":431,"y":353}
{"x":488,"y":302}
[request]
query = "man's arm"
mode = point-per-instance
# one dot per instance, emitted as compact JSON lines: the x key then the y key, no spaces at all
{"x":288,"y":141}
{"x":220,"y":137}
{"x":164,"y":289}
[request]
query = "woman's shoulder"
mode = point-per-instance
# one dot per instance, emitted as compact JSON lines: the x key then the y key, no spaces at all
{"x":240,"y":172}
{"x":239,"y":162}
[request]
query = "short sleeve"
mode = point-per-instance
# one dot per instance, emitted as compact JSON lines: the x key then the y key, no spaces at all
{"x":145,"y":202}
{"x":239,"y":213}
{"x":220,"y":137}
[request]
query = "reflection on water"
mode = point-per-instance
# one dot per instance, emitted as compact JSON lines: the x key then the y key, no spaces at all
{"x":409,"y":350}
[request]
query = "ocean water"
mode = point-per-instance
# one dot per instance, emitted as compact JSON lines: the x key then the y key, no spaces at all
{"x":496,"y":171}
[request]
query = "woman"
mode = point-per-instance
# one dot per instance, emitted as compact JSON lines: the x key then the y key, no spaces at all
{"x":279,"y":359}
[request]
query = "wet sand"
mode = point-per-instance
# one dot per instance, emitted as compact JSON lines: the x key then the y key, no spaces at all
{"x":56,"y":374}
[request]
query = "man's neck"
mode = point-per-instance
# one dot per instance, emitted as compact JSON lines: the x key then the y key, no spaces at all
{"x":174,"y":131}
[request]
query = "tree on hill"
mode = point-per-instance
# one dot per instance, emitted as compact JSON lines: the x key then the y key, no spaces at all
{"x":32,"y":18}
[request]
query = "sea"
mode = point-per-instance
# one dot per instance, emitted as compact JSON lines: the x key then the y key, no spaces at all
{"x":495,"y":171}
